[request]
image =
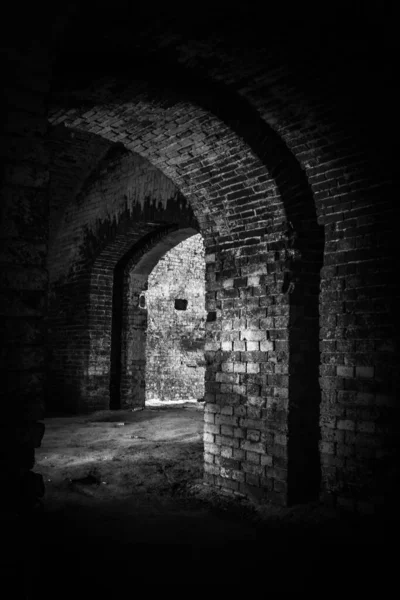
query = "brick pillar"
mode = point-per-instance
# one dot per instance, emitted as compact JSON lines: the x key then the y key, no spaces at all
{"x":247,"y":387}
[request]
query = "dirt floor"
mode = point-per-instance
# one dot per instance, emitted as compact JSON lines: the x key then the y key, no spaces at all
{"x":125,"y":509}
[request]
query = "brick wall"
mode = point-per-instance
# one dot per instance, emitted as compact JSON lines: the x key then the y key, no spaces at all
{"x":175,"y":338}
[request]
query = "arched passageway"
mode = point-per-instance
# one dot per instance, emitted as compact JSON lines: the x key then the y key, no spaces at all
{"x":114,"y":221}
{"x":130,"y":321}
{"x":263,"y":251}
{"x":266,"y":158}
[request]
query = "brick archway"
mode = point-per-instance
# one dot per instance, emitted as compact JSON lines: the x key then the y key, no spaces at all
{"x":318,"y":103}
{"x":129,"y":322}
{"x":114,"y":212}
{"x":264,"y":251}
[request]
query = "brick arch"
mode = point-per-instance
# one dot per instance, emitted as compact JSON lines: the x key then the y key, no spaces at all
{"x":357,"y":330}
{"x":126,"y":201}
{"x":257,"y":214}
{"x":211,"y":164}
{"x":129,"y":319}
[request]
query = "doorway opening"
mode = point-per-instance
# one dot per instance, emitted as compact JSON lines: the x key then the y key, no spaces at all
{"x":158,"y":323}
{"x":176,"y":316}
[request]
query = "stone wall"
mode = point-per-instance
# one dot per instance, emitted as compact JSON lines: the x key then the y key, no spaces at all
{"x":175,"y":366}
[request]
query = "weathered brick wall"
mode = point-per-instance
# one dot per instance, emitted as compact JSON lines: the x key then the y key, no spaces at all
{"x":175,"y":338}
{"x":124,"y":201}
{"x":255,"y":439}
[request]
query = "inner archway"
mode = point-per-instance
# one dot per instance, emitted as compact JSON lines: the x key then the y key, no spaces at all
{"x":264,"y":247}
{"x":130,"y":311}
{"x":176,"y":316}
